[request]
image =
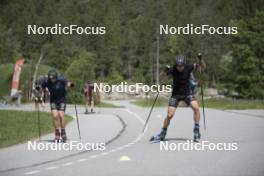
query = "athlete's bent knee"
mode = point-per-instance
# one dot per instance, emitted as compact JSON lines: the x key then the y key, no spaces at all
{"x":170,"y":115}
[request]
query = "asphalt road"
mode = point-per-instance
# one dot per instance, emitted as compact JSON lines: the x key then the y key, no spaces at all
{"x":129,"y":152}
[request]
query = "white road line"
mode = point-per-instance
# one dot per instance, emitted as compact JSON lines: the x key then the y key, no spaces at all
{"x":32,"y":172}
{"x":137,"y":116}
{"x":120,"y":148}
{"x":127,"y":145}
{"x":113,"y":150}
{"x":51,"y":168}
{"x":67,"y":164}
{"x":82,"y":160}
{"x":93,"y":156}
{"x":159,"y":116}
{"x":105,"y":153}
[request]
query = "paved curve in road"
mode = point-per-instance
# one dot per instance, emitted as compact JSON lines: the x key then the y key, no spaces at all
{"x":131,"y":153}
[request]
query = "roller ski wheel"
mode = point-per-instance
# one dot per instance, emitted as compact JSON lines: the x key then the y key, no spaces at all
{"x":196,"y":135}
{"x":57,"y":140}
{"x":57,"y":136}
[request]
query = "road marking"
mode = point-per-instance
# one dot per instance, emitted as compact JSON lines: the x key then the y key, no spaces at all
{"x":32,"y":172}
{"x":105,"y":153}
{"x":127,"y":145}
{"x":120,"y":148}
{"x":113,"y":150}
{"x":159,"y":116}
{"x":82,"y":160}
{"x":52,"y":168}
{"x":124,"y":158}
{"x":93,"y":156}
{"x":137,"y":116}
{"x":67,"y":164}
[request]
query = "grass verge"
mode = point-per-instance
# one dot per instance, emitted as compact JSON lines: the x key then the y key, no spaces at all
{"x":224,"y":103}
{"x":108,"y":105}
{"x":20,"y":126}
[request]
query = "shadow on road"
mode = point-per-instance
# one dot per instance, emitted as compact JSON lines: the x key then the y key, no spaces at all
{"x":172,"y":139}
{"x":177,"y":139}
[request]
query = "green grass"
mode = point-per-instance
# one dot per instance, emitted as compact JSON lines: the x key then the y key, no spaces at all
{"x":225,"y":103}
{"x":108,"y":105}
{"x":234,"y":104}
{"x":20,"y":126}
{"x":147,"y":102}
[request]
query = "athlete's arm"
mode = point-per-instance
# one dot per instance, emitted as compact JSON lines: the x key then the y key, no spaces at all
{"x":164,"y":73}
{"x":200,"y":65}
{"x":70,"y":84}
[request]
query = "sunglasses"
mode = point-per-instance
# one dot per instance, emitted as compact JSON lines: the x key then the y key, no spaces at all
{"x":179,"y":65}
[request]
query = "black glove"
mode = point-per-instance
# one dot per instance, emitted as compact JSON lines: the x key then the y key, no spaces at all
{"x":167,"y":68}
{"x":199,"y":55}
{"x":72,"y":84}
{"x":37,"y":88}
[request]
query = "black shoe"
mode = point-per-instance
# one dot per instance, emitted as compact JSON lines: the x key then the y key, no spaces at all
{"x":63,"y":136}
{"x":57,"y":136}
{"x":196,"y":134}
{"x":160,"y":137}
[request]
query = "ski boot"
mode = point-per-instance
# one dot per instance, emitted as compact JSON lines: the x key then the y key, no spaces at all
{"x":159,"y":137}
{"x":196,"y":134}
{"x":86,"y":112}
{"x":57,"y":136}
{"x":63,"y":135}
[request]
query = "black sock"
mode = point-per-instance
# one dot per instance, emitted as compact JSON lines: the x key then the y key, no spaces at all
{"x":164,"y":129}
{"x":196,"y":125}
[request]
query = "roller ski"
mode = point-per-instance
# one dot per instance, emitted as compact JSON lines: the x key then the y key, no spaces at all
{"x":57,"y":136}
{"x":196,"y":134}
{"x":160,"y":137}
{"x":63,"y":136}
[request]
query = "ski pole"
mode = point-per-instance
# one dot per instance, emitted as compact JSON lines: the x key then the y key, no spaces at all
{"x":202,"y":93}
{"x":150,"y":112}
{"x":76,"y":112}
{"x":39,"y":131}
{"x":77,"y":121}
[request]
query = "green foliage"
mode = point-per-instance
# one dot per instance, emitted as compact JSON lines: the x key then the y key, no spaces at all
{"x":247,"y":66}
{"x":82,"y":67}
{"x":128,"y":50}
{"x":6,"y":72}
